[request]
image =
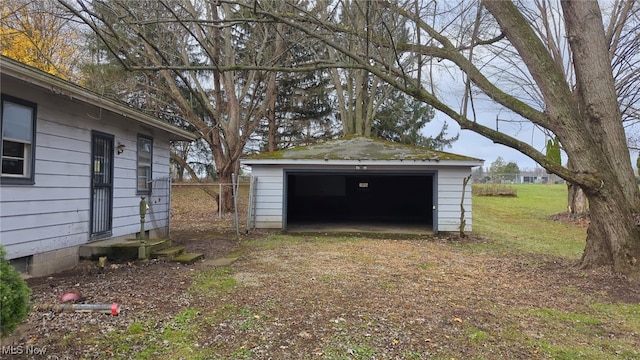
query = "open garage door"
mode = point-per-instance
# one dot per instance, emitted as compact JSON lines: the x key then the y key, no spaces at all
{"x":320,"y":200}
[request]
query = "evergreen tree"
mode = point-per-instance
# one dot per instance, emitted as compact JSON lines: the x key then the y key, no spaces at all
{"x":303,"y":111}
{"x":553,"y":150}
{"x":402,"y":118}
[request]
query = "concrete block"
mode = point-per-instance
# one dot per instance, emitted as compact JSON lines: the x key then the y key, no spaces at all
{"x":51,"y":262}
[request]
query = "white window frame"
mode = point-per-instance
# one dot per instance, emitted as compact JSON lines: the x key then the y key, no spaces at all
{"x":144,"y":165}
{"x":28,"y":145}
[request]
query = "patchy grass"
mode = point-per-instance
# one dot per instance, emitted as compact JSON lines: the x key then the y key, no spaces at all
{"x":217,"y":280}
{"x":511,"y":295}
{"x":387,"y":299}
{"x":174,"y":338}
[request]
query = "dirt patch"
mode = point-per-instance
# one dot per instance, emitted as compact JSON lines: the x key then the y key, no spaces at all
{"x":582,"y":220}
{"x":569,"y":218}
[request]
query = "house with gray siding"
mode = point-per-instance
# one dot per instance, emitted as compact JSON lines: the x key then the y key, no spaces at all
{"x":74,"y":168}
{"x":360,"y":184}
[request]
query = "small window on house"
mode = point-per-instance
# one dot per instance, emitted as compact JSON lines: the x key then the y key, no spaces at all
{"x":145,"y":150}
{"x":18,"y":140}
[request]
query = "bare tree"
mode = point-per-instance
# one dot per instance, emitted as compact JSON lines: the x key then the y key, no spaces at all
{"x":359,"y":93}
{"x":189,"y":51}
{"x":585,"y":115}
{"x":622,"y":26}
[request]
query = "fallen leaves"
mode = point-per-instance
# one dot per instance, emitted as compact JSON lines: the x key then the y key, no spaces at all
{"x":324,"y":298}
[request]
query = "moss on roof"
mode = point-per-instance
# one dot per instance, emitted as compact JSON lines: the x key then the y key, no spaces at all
{"x":360,"y":148}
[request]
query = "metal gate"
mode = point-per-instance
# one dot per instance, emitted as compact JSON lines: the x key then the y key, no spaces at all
{"x":101,"y":184}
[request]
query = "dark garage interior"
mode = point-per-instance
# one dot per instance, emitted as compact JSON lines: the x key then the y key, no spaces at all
{"x":356,"y":198}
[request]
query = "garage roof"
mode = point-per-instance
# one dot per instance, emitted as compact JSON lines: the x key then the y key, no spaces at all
{"x":361,"y":150}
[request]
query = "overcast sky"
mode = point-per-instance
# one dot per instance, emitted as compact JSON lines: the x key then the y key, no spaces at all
{"x":474,"y":145}
{"x":486,"y":111}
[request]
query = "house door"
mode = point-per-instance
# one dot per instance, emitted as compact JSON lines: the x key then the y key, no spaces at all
{"x":101,"y":184}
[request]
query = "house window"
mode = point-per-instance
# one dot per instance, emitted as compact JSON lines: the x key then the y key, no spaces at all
{"x":18,"y":140}
{"x":145,"y":150}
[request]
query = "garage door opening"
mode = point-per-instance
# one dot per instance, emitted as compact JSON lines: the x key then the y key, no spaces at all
{"x":359,"y":202}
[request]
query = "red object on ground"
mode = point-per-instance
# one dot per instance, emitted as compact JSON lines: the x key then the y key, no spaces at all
{"x":71,"y":295}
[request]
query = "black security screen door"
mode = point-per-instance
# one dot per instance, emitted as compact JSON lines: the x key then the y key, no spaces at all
{"x":101,"y":184}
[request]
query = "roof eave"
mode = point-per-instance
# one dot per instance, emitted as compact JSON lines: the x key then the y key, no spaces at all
{"x":62,"y":87}
{"x":367,"y":162}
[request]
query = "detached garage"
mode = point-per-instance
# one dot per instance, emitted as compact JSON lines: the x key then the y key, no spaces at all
{"x":359,"y":184}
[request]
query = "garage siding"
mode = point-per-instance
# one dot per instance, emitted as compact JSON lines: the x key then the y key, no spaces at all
{"x":449,"y":195}
{"x":269,"y":207}
{"x":269,"y":196}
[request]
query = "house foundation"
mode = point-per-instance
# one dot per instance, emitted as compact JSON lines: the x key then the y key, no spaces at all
{"x":51,"y":262}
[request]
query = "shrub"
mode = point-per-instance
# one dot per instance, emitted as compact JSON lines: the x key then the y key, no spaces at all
{"x":14,"y":296}
{"x":494,"y":190}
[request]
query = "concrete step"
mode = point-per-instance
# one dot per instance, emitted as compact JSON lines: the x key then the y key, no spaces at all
{"x":168,"y":253}
{"x":188,"y":258}
{"x":122,"y":249}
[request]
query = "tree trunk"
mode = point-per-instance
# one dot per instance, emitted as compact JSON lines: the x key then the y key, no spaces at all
{"x":272,"y":94}
{"x":588,"y":122}
{"x":271,"y":118}
{"x":613,"y":239}
{"x":226,"y":196}
{"x":576,"y":200}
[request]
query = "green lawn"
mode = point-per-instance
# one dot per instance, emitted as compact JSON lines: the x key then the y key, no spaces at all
{"x":521,"y":223}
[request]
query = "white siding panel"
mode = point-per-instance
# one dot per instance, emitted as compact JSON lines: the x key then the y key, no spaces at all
{"x":449,"y":195}
{"x":9,"y":194}
{"x":270,"y":212}
{"x":448,"y":186}
{"x":269,"y":195}
{"x":269,"y":205}
{"x":64,"y":181}
{"x":265,"y":184}
{"x":48,"y":244}
{"x":45,"y":140}
{"x":269,"y":224}
{"x":52,"y":154}
{"x":455,"y":208}
{"x":271,"y":192}
{"x":43,"y":207}
{"x":454,"y":227}
{"x":49,"y":126}
{"x":64,"y":235}
{"x":62,"y":167}
{"x":9,"y":223}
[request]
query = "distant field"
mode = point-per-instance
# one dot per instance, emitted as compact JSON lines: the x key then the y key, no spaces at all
{"x":521,"y":223}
